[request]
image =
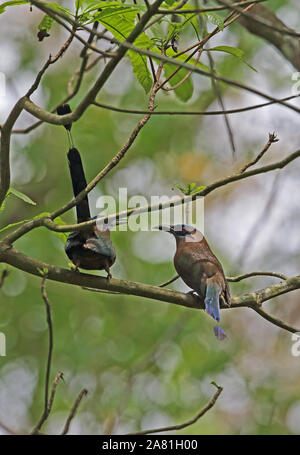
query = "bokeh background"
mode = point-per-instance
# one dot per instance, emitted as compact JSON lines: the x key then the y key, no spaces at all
{"x":146,"y":363}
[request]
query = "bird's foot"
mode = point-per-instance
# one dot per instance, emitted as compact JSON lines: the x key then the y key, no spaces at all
{"x":109,"y":275}
{"x":197,"y":297}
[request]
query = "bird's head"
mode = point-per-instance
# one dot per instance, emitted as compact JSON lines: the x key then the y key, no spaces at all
{"x":182,"y":232}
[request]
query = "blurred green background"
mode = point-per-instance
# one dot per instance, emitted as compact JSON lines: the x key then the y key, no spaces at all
{"x":145,"y":363}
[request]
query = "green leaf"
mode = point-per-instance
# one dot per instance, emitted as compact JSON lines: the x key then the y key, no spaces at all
{"x":189,"y":189}
{"x":216,"y":20}
{"x":236,"y":52}
{"x":43,"y":272}
{"x":61,"y":235}
{"x":78,"y":4}
{"x":120,"y":21}
{"x":175,"y":28}
{"x":102,"y":7}
{"x":20,"y":196}
{"x":12,"y":3}
{"x":57,"y":7}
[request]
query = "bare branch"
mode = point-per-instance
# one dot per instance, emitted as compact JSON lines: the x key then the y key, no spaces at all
{"x":219,"y":97}
{"x":272,"y":140}
{"x":49,"y":359}
{"x":166,"y":283}
{"x":73,"y":411}
{"x":235,"y":279}
{"x":275,"y":321}
{"x":58,"y":377}
{"x":208,"y":113}
{"x":189,"y":422}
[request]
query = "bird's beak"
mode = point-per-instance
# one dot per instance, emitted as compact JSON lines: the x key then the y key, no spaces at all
{"x":165,"y":228}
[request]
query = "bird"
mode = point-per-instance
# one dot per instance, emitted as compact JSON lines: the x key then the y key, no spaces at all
{"x":199,"y":268}
{"x":90,"y":248}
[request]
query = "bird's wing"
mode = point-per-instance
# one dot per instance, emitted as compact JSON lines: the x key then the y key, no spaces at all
{"x":101,"y":245}
{"x":74,"y":240}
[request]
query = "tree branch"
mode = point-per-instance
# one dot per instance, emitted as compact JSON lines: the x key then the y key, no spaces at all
{"x":49,"y":359}
{"x":220,"y":112}
{"x":272,"y":140}
{"x":252,"y":300}
{"x":189,"y":422}
{"x":73,"y":411}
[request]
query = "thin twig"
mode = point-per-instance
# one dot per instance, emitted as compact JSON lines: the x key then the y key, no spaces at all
{"x":49,"y":62}
{"x":207,"y":10}
{"x":58,"y":377}
{"x":272,"y":139}
{"x":219,"y":97}
{"x":162,"y":285}
{"x":275,"y":321}
{"x":189,"y":422}
{"x":208,"y":113}
{"x":49,"y":358}
{"x":73,"y":410}
{"x":235,"y":279}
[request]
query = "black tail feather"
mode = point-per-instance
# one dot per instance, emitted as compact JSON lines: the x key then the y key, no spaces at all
{"x":79,"y":184}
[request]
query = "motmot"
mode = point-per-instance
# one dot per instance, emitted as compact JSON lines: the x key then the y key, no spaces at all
{"x":200,"y":270}
{"x":90,"y":248}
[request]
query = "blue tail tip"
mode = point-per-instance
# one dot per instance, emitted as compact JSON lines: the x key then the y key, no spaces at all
{"x":219,"y":332}
{"x":213,"y":313}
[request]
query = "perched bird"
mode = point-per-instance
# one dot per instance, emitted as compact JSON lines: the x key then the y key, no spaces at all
{"x":200,"y":270}
{"x":90,"y":248}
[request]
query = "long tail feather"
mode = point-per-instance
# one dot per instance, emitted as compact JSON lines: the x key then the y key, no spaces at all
{"x":219,"y":332}
{"x":212,"y":304}
{"x":79,"y":183}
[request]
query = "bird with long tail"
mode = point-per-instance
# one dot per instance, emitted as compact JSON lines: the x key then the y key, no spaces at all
{"x":200,"y":270}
